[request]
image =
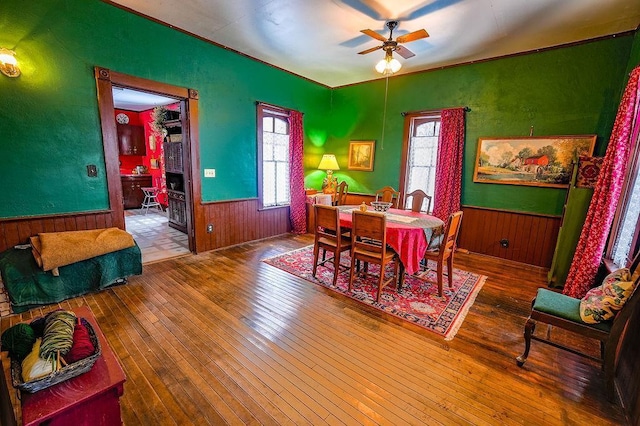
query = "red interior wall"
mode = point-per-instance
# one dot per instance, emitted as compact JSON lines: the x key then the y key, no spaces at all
{"x":129,"y":162}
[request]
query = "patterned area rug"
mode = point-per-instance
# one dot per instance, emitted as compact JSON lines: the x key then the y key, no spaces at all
{"x":418,"y":301}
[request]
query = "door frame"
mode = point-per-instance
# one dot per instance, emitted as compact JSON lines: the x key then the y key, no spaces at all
{"x":188,"y":98}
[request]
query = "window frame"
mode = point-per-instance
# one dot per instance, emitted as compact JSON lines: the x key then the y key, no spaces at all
{"x":633,"y":170}
{"x":409,"y":126}
{"x":267,"y":110}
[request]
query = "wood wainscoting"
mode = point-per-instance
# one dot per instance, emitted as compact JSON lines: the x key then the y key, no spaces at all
{"x":240,"y":221}
{"x":18,"y":230}
{"x":531,"y":237}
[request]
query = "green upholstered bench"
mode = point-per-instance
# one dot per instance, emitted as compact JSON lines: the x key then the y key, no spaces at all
{"x":28,"y":286}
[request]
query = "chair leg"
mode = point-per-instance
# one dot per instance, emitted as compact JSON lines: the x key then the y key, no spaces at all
{"x":353,"y":261}
{"x":316,"y":249}
{"x":336,"y":267}
{"x":440,"y":272}
{"x":380,"y":281}
{"x":529,"y":328}
{"x":450,"y":270}
{"x":609,"y":365}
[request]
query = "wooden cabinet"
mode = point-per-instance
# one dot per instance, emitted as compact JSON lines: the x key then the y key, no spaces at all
{"x":132,"y":194}
{"x":173,"y":157}
{"x":131,"y":140}
{"x":174,"y":165}
{"x":177,"y":210}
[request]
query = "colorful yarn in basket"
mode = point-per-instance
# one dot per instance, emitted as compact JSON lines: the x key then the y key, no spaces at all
{"x":58,"y":334}
{"x":34,"y":367}
{"x":82,"y":344}
{"x":18,"y":341}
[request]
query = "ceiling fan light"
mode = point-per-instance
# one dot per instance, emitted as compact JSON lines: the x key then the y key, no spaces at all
{"x":388,"y":65}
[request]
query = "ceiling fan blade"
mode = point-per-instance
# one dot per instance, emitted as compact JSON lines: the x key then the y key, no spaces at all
{"x":373,"y":49}
{"x":416,"y":35}
{"x":374,"y":34}
{"x":404,"y":52}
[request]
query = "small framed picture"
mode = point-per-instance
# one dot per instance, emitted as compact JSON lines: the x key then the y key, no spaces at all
{"x":361,"y":155}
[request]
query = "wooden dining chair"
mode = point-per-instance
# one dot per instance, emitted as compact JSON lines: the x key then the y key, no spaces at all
{"x":445,"y":252}
{"x":388,"y":195}
{"x":369,"y":245}
{"x":558,"y":310}
{"x":327,"y":236}
{"x":417,"y":200}
{"x":341,"y":194}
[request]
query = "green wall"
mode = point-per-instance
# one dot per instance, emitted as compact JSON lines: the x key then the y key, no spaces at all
{"x":573,"y":90}
{"x":634,"y":57}
{"x":49,"y":122}
{"x":50,"y":128}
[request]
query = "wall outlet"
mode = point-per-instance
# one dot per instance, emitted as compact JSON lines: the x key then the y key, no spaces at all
{"x":210,"y":228}
{"x":92,"y":170}
{"x":209,"y":172}
{"x":504,"y":243}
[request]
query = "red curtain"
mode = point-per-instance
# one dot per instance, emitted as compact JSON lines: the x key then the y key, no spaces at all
{"x":449,"y":167}
{"x":296,"y":179}
{"x":606,"y":194}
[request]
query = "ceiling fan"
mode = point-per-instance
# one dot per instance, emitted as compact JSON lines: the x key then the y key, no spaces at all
{"x":389,"y":65}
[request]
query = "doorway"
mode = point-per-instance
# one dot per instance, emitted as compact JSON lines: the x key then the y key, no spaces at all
{"x":178,"y":184}
{"x":155,"y":220}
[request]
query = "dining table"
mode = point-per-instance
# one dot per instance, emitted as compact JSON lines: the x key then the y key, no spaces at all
{"x":409,"y":233}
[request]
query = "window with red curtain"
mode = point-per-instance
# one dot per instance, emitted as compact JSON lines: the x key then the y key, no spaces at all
{"x":624,"y":243}
{"x":420,"y":153}
{"x":273,"y":156}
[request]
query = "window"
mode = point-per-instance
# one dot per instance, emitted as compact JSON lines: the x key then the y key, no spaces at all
{"x":624,"y":242}
{"x":273,"y":156}
{"x":420,"y":153}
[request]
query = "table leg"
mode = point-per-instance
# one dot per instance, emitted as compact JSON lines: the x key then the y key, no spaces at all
{"x":401,"y":277}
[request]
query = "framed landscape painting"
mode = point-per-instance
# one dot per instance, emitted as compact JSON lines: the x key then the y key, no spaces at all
{"x":361,"y":155}
{"x":533,"y":161}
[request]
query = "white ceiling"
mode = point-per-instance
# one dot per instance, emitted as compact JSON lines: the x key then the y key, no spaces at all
{"x":133,"y":100}
{"x":320,"y":39}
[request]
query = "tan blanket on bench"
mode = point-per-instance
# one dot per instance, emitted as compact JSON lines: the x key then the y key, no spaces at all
{"x":54,"y":249}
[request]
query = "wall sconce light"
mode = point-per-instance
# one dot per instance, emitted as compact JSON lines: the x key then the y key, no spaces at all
{"x":329,"y":163}
{"x":8,"y":63}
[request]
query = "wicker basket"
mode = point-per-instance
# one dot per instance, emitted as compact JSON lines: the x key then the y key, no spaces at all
{"x":65,"y":373}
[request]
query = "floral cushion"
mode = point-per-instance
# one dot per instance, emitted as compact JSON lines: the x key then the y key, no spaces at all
{"x":603,"y":302}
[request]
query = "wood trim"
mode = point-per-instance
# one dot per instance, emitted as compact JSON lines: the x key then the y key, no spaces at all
{"x":531,"y":237}
{"x":204,"y":203}
{"x":110,"y":144}
{"x":197,"y":224}
{"x":188,"y":98}
{"x":18,"y":230}
{"x":553,"y":216}
{"x":236,"y":222}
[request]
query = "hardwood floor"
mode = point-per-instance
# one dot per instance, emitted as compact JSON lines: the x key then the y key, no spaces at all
{"x":223,"y":338}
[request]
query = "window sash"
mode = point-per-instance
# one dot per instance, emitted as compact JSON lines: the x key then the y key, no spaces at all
{"x":624,"y":238}
{"x":273,"y":161}
{"x":422,"y":154}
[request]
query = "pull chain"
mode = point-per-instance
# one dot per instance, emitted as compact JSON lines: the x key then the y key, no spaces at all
{"x":384,"y":113}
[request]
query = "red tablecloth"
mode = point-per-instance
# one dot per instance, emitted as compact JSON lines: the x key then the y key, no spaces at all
{"x":409,"y":233}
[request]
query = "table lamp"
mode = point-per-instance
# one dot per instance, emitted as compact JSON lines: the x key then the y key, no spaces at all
{"x":329,"y":163}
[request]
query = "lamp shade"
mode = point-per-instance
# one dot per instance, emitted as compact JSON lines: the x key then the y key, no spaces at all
{"x":328,"y":162}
